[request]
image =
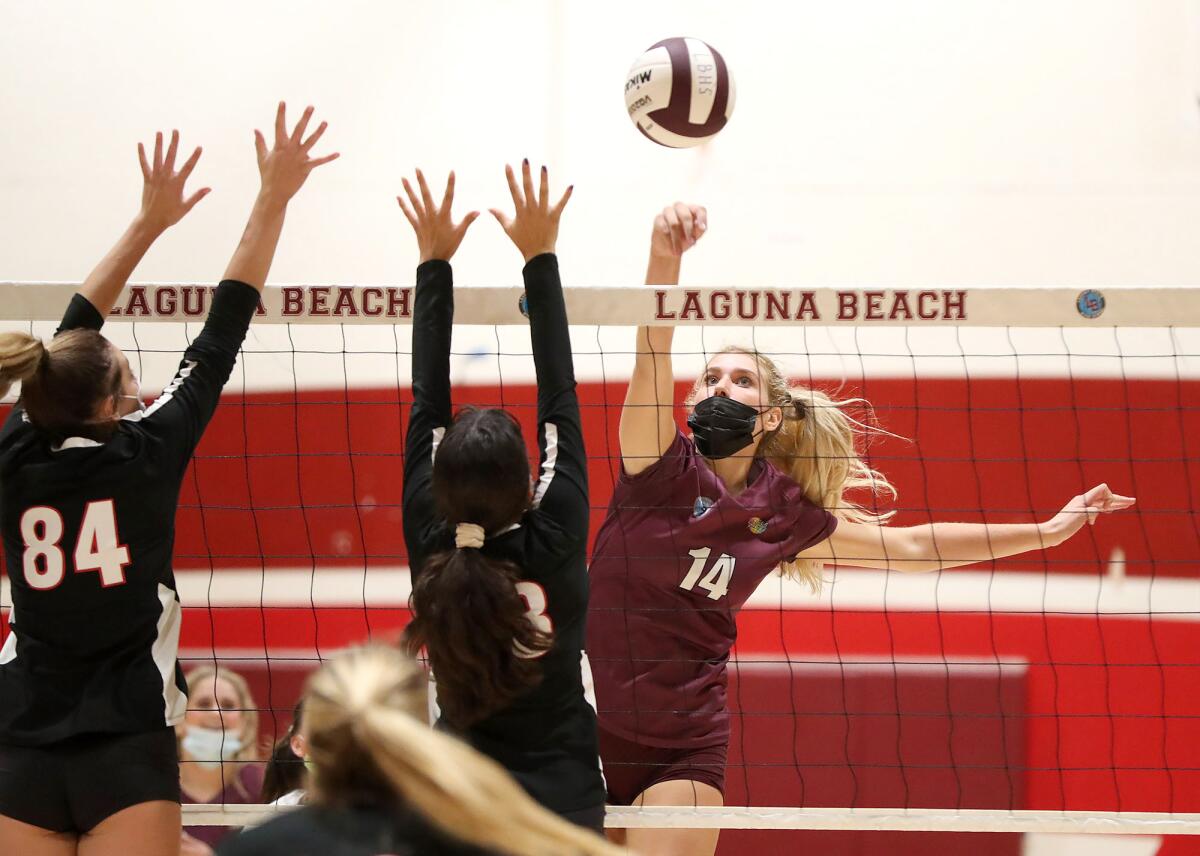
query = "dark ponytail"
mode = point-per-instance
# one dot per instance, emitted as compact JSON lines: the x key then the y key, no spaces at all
{"x":285,"y":771}
{"x":467,"y":614}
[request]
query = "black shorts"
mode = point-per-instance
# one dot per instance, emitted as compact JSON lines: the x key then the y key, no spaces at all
{"x":72,"y":785}
{"x":630,"y":768}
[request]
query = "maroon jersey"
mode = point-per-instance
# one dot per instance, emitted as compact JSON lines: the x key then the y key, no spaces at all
{"x":676,"y":558}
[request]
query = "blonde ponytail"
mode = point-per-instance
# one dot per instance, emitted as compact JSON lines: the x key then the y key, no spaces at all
{"x":361,"y":719}
{"x":818,"y":446}
{"x":20,"y":357}
{"x":64,"y":382}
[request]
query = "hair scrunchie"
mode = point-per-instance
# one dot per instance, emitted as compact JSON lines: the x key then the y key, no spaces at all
{"x":468,"y":536}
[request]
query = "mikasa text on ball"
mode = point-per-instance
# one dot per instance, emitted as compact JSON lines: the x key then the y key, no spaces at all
{"x":680,"y":93}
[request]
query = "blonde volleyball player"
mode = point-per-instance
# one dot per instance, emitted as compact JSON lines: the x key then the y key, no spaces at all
{"x":89,"y":480}
{"x":696,"y":522}
{"x":383,"y":781}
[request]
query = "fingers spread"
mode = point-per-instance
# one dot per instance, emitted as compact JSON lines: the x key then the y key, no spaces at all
{"x":158,"y":151}
{"x":461,"y":228}
{"x":316,"y":135}
{"x":448,"y":196}
{"x":518,"y":201}
{"x":562,"y":203}
{"x":191,"y":201}
{"x":260,"y":145}
{"x":144,"y":163}
{"x":190,"y":164}
{"x":313,"y":164}
{"x":302,"y":125}
{"x":412,"y":197}
{"x":280,"y":124}
{"x":527,"y":181}
{"x":171,"y":151}
{"x":426,"y":196}
{"x":501,"y":218}
{"x":407,"y":211}
{"x":544,"y":191}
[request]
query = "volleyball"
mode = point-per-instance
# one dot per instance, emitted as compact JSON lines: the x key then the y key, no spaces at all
{"x":680,"y":92}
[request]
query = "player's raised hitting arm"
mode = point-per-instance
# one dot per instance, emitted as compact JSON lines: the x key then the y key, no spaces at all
{"x":648,"y":417}
{"x":936,"y":546}
{"x":562,"y":488}
{"x":438,"y":238}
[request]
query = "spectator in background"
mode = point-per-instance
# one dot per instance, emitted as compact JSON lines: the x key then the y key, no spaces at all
{"x":219,"y":762}
{"x":285,"y":780}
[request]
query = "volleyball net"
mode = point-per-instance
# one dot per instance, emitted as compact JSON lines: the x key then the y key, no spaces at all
{"x":1052,"y":691}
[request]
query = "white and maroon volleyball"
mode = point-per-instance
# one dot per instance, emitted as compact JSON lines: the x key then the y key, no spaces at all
{"x":680,"y":92}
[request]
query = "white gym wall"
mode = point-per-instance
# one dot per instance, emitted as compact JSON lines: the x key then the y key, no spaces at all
{"x":873,"y":142}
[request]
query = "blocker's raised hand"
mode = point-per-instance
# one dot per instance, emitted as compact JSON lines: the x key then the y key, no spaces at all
{"x":438,"y":236}
{"x":285,"y":166}
{"x":163,"y":201}
{"x":534,"y":226}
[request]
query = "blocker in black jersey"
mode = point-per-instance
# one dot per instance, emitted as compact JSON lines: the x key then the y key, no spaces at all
{"x":546,"y":738}
{"x":89,"y":530}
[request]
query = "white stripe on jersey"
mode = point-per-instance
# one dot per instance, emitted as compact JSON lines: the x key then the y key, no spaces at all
{"x":548,"y":466}
{"x":165,"y":652}
{"x":438,"y":434}
{"x":168,"y":392}
{"x":9,"y":652}
{"x":75,"y":443}
{"x":589,"y":695}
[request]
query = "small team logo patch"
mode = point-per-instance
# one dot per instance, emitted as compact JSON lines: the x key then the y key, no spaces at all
{"x":1090,"y":303}
{"x":523,"y":304}
{"x":757,"y":525}
{"x":703,"y":504}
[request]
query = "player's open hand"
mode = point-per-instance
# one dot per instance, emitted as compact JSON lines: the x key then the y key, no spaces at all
{"x":285,"y":166}
{"x":163,"y":200}
{"x":677,"y":228}
{"x":534,"y":226}
{"x":1082,"y":509}
{"x":438,"y":236}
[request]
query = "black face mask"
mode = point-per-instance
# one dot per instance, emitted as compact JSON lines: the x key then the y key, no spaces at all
{"x":722,"y":427}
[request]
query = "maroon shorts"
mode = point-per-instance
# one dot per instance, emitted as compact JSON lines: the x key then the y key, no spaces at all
{"x":630,"y":768}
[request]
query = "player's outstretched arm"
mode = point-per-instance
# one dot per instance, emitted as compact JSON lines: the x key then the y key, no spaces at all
{"x":648,"y":417}
{"x":283,"y":169}
{"x":182,"y":413}
{"x":438,"y":238}
{"x":935,"y":546}
{"x":562,"y":488}
{"x":164,"y":203}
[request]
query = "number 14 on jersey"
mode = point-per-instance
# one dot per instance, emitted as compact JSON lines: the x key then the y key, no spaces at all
{"x":716,"y":581}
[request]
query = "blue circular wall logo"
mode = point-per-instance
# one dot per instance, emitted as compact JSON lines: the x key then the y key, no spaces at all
{"x":1090,"y":303}
{"x":523,"y":305}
